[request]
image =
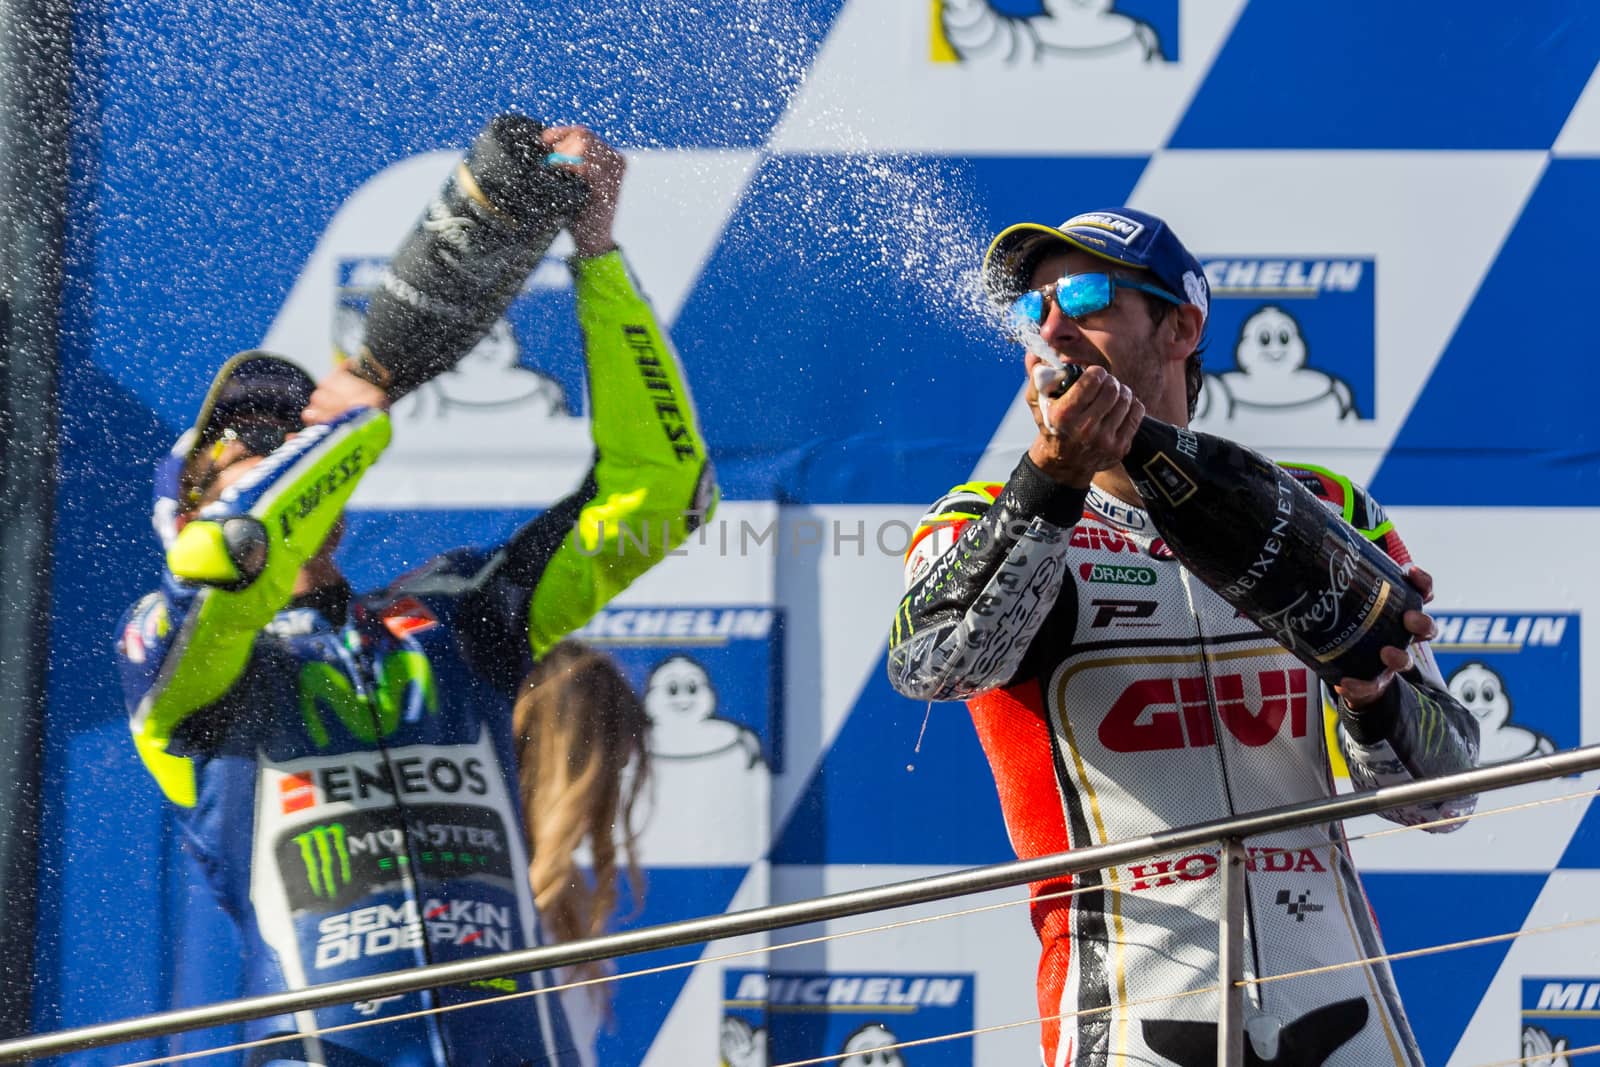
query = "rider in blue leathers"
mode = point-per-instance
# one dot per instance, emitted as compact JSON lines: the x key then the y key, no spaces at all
{"x":343,"y":765}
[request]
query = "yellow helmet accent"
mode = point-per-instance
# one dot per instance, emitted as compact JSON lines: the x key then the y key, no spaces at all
{"x":174,"y":774}
{"x":199,"y":554}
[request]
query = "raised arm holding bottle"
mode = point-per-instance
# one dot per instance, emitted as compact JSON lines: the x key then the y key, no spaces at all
{"x":1116,"y":694}
{"x":343,"y":764}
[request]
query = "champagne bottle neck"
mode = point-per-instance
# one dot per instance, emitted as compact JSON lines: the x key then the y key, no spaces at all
{"x":1163,"y":457}
{"x":1152,"y":436}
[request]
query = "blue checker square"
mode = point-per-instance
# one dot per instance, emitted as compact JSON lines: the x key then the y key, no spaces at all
{"x":1539,"y":454}
{"x":1431,"y":74}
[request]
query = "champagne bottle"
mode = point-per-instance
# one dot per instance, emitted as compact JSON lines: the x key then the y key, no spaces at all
{"x":463,"y":263}
{"x":1245,"y":527}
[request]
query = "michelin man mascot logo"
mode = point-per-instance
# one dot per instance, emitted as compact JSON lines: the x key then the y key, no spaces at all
{"x":682,"y":705}
{"x":1073,"y":30}
{"x":872,"y":1046}
{"x":1540,"y":1048}
{"x":1273,"y":382}
{"x":743,"y":1045}
{"x":1483,"y":692}
{"x":712,"y":787}
{"x":490,"y":378}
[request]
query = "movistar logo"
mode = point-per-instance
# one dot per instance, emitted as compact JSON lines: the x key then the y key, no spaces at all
{"x":327,"y":858}
{"x":405,"y":690}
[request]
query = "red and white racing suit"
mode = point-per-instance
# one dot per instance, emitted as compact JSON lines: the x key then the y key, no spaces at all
{"x":1116,"y":696}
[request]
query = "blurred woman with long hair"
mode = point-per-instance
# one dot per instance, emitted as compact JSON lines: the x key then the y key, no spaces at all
{"x":583,"y":761}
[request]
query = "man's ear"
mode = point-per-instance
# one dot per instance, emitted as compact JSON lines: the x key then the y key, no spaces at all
{"x":1183,"y":327}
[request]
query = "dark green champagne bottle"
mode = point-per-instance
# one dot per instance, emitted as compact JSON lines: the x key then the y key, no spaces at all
{"x":463,"y":263}
{"x":1245,"y":527}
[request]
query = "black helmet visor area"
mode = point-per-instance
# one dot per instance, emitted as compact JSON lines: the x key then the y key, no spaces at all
{"x":253,"y":390}
{"x":255,"y":399}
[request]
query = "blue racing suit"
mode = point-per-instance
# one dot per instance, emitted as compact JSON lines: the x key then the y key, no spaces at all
{"x":344,"y":766}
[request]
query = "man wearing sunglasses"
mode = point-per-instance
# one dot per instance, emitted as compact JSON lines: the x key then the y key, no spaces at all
{"x":1117,"y":696}
{"x":343,"y":765}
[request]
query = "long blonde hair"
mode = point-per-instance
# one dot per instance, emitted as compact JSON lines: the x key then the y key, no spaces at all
{"x":582,"y":762}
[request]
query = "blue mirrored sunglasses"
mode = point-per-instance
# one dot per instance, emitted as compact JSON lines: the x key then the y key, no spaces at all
{"x":1076,"y":295}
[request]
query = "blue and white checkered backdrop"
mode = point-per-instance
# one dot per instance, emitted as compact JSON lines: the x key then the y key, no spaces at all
{"x":1394,"y":203}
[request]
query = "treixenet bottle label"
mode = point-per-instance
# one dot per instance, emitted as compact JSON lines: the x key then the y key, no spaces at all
{"x":1262,"y":541}
{"x":1338,"y":607}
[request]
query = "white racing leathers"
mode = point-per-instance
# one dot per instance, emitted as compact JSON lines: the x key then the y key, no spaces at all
{"x":1116,"y":696}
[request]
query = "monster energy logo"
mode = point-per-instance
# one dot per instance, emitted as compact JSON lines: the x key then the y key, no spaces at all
{"x":327,"y":858}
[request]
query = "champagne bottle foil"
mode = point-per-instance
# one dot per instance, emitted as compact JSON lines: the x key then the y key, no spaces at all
{"x":462,"y":264}
{"x":507,"y":162}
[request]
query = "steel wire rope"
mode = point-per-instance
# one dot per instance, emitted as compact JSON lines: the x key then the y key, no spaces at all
{"x":838,"y":906}
{"x":1451,"y":820}
{"x":884,"y":927}
{"x":1365,"y":962}
{"x":1369,"y":835}
{"x":1309,"y":972}
{"x":1544,"y":1058}
{"x":1167,"y":998}
{"x":1430,"y":950}
{"x":583,"y":983}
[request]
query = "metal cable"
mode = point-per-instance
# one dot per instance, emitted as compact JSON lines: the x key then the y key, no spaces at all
{"x":841,"y":905}
{"x":582,"y":983}
{"x":1542,"y":1059}
{"x":1430,"y":951}
{"x":885,"y":927}
{"x":1007,"y":1026}
{"x":1454,"y":819}
{"x":1386,"y":958}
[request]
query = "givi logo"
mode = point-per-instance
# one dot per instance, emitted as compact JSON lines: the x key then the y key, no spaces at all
{"x":1157,"y":714}
{"x":1085,"y":535}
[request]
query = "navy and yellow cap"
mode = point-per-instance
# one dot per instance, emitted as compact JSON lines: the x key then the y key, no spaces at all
{"x":253,"y":387}
{"x":253,"y":383}
{"x":1121,"y":236}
